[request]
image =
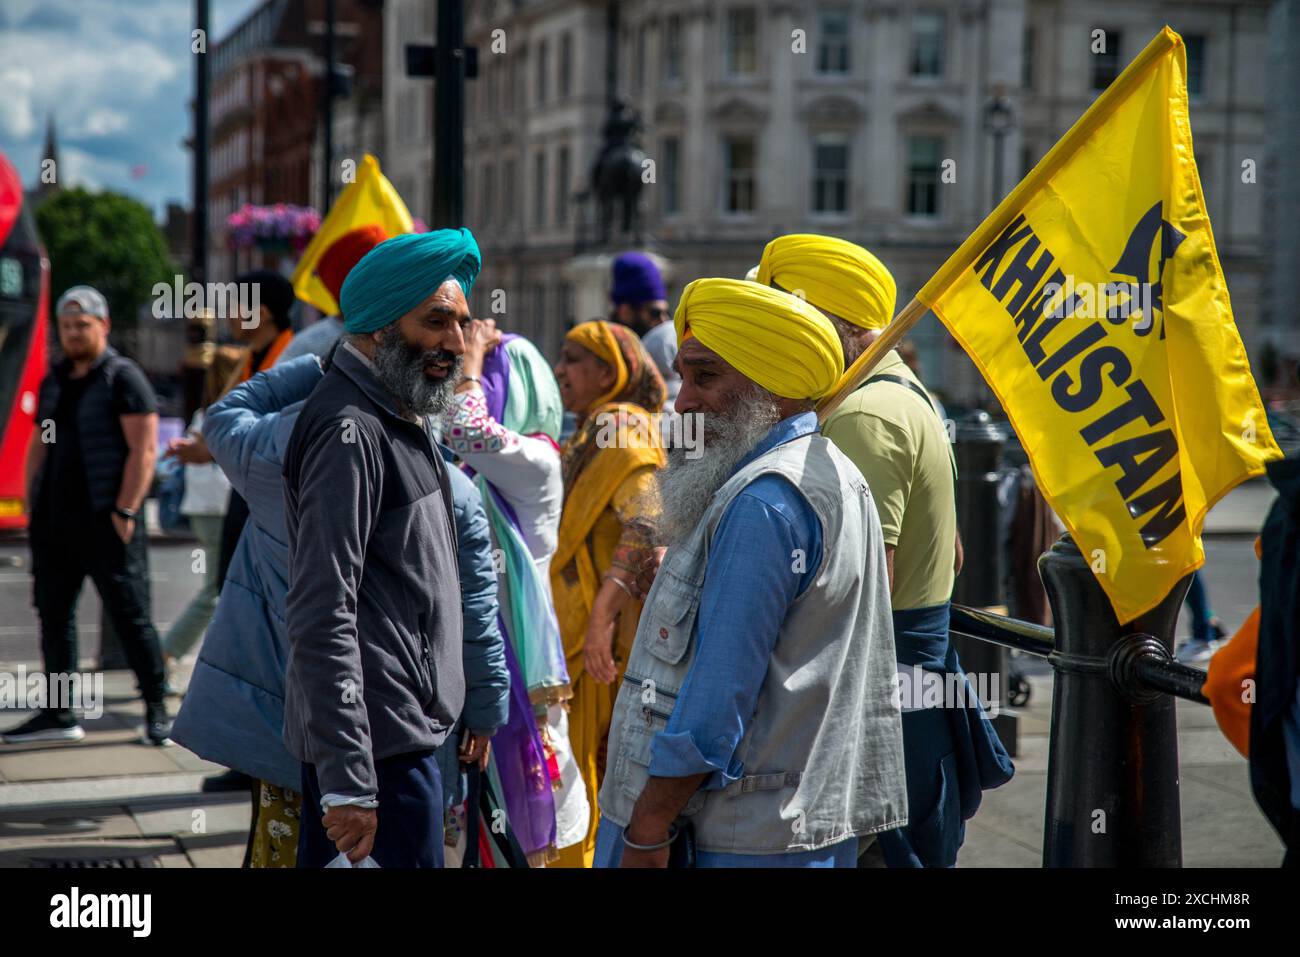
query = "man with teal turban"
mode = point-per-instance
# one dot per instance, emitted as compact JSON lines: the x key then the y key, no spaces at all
{"x":374,"y":680}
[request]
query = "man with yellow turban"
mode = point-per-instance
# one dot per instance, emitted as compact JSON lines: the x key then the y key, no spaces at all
{"x":892,"y":432}
{"x":755,"y":725}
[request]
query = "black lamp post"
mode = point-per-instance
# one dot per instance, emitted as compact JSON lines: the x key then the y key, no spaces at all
{"x":999,"y":120}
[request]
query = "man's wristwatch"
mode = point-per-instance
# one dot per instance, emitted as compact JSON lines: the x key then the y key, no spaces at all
{"x":129,"y":514}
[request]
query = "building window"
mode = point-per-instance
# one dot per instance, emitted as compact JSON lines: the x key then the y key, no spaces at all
{"x":539,"y":310}
{"x":543,"y":65}
{"x":928,"y":38}
{"x":1105,"y":65}
{"x":566,"y":306}
{"x":739,"y":162}
{"x":830,"y":174}
{"x":566,"y":66}
{"x":508,"y":206}
{"x":513,"y":66}
{"x":673,"y":48}
{"x":670,"y":176}
{"x":1027,"y":61}
{"x":742,"y":41}
{"x":488,"y":186}
{"x":638,"y":63}
{"x":562,"y":186}
{"x":539,"y":189}
{"x":923,"y":157}
{"x":1195,"y":44}
{"x":833,"y":41}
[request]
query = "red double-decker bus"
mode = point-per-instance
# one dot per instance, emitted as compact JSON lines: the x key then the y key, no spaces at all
{"x":24,"y":304}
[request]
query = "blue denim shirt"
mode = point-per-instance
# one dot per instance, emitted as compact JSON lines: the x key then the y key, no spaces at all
{"x":749,"y":586}
{"x":764,"y":554}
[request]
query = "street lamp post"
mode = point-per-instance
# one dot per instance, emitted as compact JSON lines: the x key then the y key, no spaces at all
{"x":327,"y":113}
{"x":999,"y":121}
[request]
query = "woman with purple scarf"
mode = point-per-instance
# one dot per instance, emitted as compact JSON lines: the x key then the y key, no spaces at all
{"x":504,"y":424}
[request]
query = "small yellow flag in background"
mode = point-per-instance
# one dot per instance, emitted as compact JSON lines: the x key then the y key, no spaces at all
{"x":1094,"y":304}
{"x":371,"y":199}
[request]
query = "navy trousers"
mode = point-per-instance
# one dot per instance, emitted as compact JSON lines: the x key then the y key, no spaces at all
{"x":410,"y":815}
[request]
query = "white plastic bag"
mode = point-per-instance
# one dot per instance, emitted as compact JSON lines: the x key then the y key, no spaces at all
{"x":342,"y":861}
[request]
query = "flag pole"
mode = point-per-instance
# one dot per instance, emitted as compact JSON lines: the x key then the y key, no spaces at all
{"x":857,"y":373}
{"x":1001,"y":216}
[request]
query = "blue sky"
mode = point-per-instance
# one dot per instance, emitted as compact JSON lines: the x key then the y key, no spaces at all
{"x":117,"y":76}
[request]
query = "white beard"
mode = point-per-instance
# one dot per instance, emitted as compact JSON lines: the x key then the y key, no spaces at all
{"x":687,"y":485}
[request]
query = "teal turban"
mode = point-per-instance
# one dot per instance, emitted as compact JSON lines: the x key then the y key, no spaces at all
{"x":402,"y":272}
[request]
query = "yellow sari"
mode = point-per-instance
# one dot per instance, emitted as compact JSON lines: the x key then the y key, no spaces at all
{"x":610,"y":505}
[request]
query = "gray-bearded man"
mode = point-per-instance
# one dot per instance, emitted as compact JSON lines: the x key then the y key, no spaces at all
{"x":757,"y":723}
{"x":374,"y":681}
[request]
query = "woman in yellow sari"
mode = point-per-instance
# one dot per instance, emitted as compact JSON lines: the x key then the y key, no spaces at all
{"x":610,"y":504}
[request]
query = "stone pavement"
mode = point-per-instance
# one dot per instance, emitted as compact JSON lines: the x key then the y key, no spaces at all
{"x":1222,"y":826}
{"x":1241,"y":511}
{"x":111,"y":797}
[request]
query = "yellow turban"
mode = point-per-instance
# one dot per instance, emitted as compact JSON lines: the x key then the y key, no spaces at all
{"x":778,"y":340}
{"x":833,"y":275}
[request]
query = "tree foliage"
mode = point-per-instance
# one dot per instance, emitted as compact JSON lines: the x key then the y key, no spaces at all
{"x":108,"y":241}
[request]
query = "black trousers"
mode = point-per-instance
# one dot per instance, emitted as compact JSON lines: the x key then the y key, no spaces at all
{"x":62,"y":557}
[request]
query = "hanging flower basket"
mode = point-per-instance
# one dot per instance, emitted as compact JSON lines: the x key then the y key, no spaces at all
{"x":280,"y":228}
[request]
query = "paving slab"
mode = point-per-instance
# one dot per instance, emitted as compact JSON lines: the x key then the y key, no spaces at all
{"x":1219,"y":831}
{"x":224,"y":851}
{"x":84,"y":761}
{"x":82,"y":822}
{"x":1207,"y":746}
{"x":73,"y":792}
{"x":198,"y":815}
{"x":988,"y":847}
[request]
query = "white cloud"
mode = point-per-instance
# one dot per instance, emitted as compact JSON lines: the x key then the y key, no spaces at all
{"x":77,"y":167}
{"x":17,"y":119}
{"x":103,"y":122}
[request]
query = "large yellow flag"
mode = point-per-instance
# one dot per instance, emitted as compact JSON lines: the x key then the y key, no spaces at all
{"x":1094,"y":304}
{"x":370,"y":199}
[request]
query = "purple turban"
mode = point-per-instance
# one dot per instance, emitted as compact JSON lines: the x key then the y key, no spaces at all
{"x":636,"y":280}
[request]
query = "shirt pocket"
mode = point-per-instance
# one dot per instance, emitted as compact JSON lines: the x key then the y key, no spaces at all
{"x":673,"y":614}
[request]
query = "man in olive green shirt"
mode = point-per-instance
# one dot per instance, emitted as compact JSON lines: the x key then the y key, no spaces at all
{"x":893,"y":434}
{"x":891,"y":430}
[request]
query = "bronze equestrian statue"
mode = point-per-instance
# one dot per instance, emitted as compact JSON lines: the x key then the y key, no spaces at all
{"x":616,"y":174}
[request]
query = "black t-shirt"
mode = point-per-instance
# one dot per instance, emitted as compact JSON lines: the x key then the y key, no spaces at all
{"x":65,"y":496}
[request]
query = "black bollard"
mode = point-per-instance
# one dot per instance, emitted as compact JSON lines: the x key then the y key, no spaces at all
{"x":1112,"y":770}
{"x":978,"y":448}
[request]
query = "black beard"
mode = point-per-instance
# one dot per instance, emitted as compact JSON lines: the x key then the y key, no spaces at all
{"x":399,"y":367}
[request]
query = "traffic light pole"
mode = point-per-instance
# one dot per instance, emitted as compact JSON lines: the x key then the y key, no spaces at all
{"x":449,"y":117}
